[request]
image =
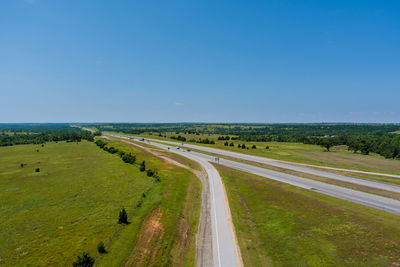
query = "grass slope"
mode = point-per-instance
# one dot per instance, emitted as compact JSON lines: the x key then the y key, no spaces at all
{"x":49,"y":217}
{"x":281,"y":225}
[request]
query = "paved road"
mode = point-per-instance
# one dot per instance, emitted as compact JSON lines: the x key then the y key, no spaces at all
{"x":371,"y":200}
{"x":225,"y":248}
{"x":295,"y":167}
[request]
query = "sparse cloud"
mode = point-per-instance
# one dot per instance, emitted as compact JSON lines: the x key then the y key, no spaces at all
{"x":179,"y":104}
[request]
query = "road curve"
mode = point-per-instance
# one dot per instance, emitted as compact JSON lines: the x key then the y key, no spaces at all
{"x":371,"y":200}
{"x":294,"y":167}
{"x":225,"y":247}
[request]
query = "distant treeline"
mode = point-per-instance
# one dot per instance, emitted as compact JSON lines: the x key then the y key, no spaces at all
{"x":37,"y":134}
{"x":312,"y":129}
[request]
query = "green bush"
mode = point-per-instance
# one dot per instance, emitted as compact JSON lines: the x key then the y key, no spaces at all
{"x":101,"y":248}
{"x":84,"y":261}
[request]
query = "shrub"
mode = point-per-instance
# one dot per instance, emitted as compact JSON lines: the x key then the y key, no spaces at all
{"x":128,"y":158}
{"x":84,"y":261}
{"x":143,"y":166}
{"x":123,"y":217}
{"x":101,"y":248}
{"x":267,"y":147}
{"x":253,"y":147}
{"x":150,"y":172}
{"x":22,"y":165}
{"x":231,"y":144}
{"x":37,"y":170}
{"x":226,"y":143}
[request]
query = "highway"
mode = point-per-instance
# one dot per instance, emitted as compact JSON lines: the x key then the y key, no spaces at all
{"x":224,"y":242}
{"x":371,"y":200}
{"x":295,"y":167}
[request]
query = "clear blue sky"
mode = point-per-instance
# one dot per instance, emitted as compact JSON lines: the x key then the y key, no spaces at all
{"x":202,"y":61}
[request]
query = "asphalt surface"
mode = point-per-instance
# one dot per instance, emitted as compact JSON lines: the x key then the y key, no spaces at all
{"x":225,"y":248}
{"x":371,"y":200}
{"x":295,"y":167}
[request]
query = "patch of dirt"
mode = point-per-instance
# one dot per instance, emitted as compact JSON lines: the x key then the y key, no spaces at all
{"x":152,"y":231}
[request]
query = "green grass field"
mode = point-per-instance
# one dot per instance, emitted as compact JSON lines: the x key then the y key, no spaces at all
{"x":297,"y":152}
{"x":281,"y":225}
{"x":50,"y":217}
{"x":175,"y":209}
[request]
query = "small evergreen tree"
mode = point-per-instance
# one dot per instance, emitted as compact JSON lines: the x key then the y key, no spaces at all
{"x":231,"y":144}
{"x":123,"y":217}
{"x":253,"y":147}
{"x":143,"y":166}
{"x":37,"y":170}
{"x":100,"y":248}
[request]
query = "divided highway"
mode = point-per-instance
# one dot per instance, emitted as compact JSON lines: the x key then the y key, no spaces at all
{"x":296,"y":167}
{"x":371,"y":200}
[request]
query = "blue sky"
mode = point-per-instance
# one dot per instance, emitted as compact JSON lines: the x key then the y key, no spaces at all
{"x":201,"y":61}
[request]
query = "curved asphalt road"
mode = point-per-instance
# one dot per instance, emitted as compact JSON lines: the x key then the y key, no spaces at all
{"x":225,"y":248}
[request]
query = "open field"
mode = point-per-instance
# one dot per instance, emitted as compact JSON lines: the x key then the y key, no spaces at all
{"x":338,"y":157}
{"x":278,"y":224}
{"x":167,"y":236}
{"x":54,"y":215}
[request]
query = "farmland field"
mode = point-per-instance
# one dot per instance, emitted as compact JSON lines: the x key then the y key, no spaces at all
{"x":72,"y":203}
{"x":281,"y":225}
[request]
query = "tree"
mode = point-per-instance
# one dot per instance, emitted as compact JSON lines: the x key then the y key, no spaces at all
{"x":22,"y":165}
{"x":253,"y":147}
{"x":226,"y":143}
{"x":231,"y":144}
{"x":327,"y":143}
{"x":100,"y":248}
{"x":267,"y":147}
{"x":239,"y":145}
{"x":84,"y":261}
{"x":123,"y":217}
{"x":37,"y":170}
{"x":243,"y":146}
{"x":143,"y":166}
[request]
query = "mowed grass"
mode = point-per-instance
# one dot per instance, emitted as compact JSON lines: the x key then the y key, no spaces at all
{"x":167,"y":235}
{"x":338,"y":157}
{"x":49,"y":217}
{"x":281,"y":225}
